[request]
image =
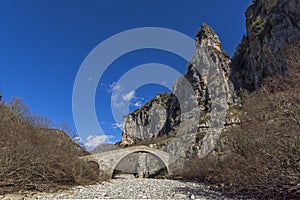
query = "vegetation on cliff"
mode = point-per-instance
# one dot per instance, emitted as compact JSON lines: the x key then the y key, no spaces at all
{"x":261,"y":157}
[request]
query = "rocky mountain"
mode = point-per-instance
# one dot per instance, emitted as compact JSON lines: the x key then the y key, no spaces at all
{"x":272,"y":26}
{"x":103,"y":148}
{"x":196,"y":108}
{"x":204,"y":100}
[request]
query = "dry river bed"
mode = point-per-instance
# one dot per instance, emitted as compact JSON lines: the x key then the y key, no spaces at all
{"x":131,"y":188}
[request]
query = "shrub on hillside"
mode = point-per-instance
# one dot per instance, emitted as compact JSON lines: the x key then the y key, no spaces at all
{"x":261,"y":157}
{"x":33,"y":157}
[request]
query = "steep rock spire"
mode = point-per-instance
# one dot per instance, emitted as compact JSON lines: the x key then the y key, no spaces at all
{"x":206,"y":36}
{"x":196,"y":106}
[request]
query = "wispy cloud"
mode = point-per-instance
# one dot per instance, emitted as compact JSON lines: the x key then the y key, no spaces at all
{"x":138,"y":104}
{"x":129,"y":96}
{"x":117,"y":125}
{"x":93,"y":141}
{"x":113,"y":87}
{"x":164,"y":83}
{"x":76,"y":139}
{"x":121,"y":100}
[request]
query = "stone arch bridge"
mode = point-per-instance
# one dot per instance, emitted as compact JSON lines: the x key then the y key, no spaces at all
{"x":108,"y":161}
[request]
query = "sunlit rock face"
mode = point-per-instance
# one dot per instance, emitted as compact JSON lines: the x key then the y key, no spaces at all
{"x":154,"y":119}
{"x":188,"y":120}
{"x":272,"y":26}
{"x":203,"y":101}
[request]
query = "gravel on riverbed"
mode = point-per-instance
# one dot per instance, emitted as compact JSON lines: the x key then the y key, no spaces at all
{"x":134,"y":188}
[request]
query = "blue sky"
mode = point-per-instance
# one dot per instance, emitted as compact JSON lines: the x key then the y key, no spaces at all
{"x":44,"y":42}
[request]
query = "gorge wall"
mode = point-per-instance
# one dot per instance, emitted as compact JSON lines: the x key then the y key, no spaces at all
{"x":272,"y":26}
{"x":203,"y":101}
{"x":195,"y":109}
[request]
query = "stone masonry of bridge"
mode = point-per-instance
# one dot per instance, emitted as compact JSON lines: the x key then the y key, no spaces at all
{"x":107,"y":161}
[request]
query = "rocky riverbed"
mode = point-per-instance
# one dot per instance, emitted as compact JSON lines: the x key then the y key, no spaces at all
{"x":133,"y":188}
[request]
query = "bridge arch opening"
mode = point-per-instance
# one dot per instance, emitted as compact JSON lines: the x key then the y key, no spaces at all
{"x":140,"y":164}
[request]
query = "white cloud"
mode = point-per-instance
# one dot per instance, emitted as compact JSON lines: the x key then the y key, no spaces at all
{"x":76,"y":139}
{"x":117,"y":101}
{"x":118,"y":105}
{"x":120,"y":99}
{"x":129,"y":96}
{"x":117,"y":125}
{"x":164,"y":83}
{"x":107,"y":87}
{"x":114,"y":87}
{"x":93,"y":141}
{"x":138,"y":104}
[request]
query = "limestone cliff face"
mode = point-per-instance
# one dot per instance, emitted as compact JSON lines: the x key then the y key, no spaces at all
{"x":272,"y":25}
{"x":154,"y":119}
{"x":203,"y":100}
{"x":195,"y":109}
